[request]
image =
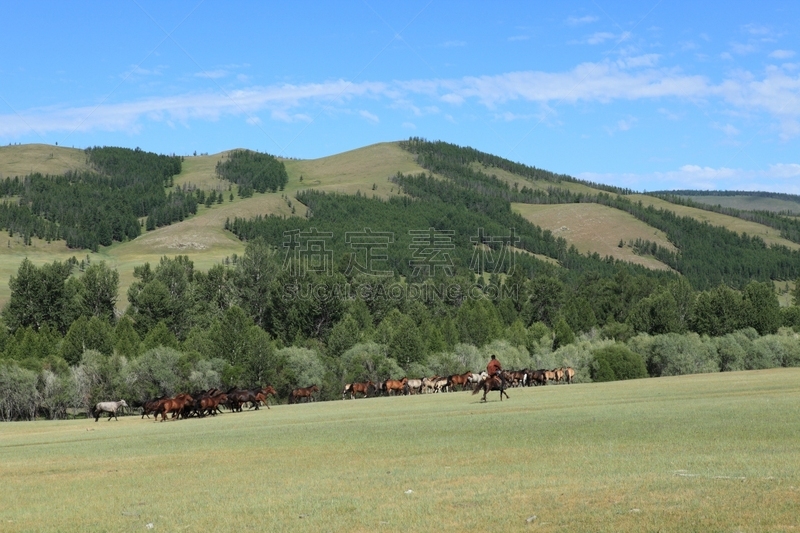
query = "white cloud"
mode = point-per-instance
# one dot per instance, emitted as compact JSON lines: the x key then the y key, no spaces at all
{"x":454,"y":44}
{"x":756,"y":29}
{"x":742,"y":49}
{"x":599,"y":37}
{"x":727,"y":129}
{"x":779,"y":177}
{"x":775,"y":92}
{"x":254,"y":121}
{"x":212,"y":74}
{"x":781,"y":54}
{"x":579,"y":21}
{"x":369,"y":116}
{"x":626,"y":124}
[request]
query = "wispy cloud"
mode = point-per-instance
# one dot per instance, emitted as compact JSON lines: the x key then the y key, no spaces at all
{"x":212,"y":74}
{"x":579,"y":21}
{"x":519,"y":38}
{"x":775,"y":92}
{"x":599,"y":37}
{"x":454,"y":44}
{"x":742,"y":49}
{"x":369,"y":116}
{"x":781,"y":54}
{"x":781,"y":177}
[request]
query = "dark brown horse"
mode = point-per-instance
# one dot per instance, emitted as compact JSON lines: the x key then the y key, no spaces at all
{"x":489,"y":384}
{"x":150,"y":406}
{"x":263,"y":393}
{"x":297,"y":395}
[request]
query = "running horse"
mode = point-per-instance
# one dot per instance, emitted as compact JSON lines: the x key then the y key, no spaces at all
{"x":459,"y":379}
{"x":107,"y":407}
{"x":361,"y":388}
{"x":489,"y":384}
{"x":395,"y":386}
{"x":298,"y":394}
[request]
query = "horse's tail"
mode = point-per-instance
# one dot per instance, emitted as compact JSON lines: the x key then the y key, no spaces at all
{"x":477,"y":388}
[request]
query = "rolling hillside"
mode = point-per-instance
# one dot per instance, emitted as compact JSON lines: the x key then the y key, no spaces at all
{"x":592,"y":228}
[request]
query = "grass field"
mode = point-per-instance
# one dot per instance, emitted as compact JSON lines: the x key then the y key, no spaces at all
{"x":596,"y":228}
{"x":712,"y":452}
{"x":770,"y":235}
{"x":23,"y":159}
{"x":749,"y":203}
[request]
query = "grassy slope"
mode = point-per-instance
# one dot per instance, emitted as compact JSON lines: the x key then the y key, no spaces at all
{"x":21,"y":160}
{"x":713,"y":452}
{"x":206,"y":243}
{"x":770,"y":235}
{"x":596,"y":228}
{"x":749,"y":203}
{"x":202,"y":237}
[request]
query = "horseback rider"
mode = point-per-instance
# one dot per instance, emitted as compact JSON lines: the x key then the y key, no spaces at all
{"x":494,"y":367}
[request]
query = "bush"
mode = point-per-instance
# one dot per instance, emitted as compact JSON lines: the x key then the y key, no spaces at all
{"x":731,"y":353}
{"x":617,"y":362}
{"x":368,"y":361}
{"x":157,"y":372}
{"x":19,"y":399}
{"x":578,"y":355}
{"x":674,"y":355}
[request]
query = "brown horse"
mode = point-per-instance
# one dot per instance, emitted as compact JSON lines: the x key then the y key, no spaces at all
{"x":361,"y":388}
{"x":459,"y":379}
{"x":150,"y":406}
{"x":489,"y":384}
{"x":173,"y":405}
{"x":264,"y":392}
{"x":307,"y":392}
{"x":394,"y":386}
{"x":569,"y":374}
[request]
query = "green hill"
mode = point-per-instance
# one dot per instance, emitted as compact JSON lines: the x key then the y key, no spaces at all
{"x":365,"y":171}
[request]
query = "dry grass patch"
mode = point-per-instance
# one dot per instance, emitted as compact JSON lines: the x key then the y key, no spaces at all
{"x":543,"y":185}
{"x":201,"y":171}
{"x":749,"y":203}
{"x":770,"y":235}
{"x":356,"y":170}
{"x":596,"y":228}
{"x":21,"y":160}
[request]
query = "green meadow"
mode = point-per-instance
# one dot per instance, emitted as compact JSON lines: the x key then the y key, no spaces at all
{"x":711,"y":452}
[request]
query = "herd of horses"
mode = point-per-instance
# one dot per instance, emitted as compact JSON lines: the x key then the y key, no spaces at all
{"x":475,"y":381}
{"x":208,"y":403}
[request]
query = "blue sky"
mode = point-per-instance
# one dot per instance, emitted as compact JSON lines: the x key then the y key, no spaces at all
{"x":648,"y":95}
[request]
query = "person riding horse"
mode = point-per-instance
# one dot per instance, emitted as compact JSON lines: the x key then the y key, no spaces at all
{"x":494,"y":368}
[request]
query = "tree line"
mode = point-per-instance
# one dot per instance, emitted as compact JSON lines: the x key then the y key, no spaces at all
{"x":94,"y":208}
{"x":256,"y":320}
{"x":253,"y":172}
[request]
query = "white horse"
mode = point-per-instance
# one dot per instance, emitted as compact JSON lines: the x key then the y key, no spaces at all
{"x":414,"y":386}
{"x":108,"y":407}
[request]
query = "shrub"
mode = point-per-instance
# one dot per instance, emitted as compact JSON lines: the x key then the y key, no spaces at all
{"x":674,"y":355}
{"x":617,"y":362}
{"x":19,"y":398}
